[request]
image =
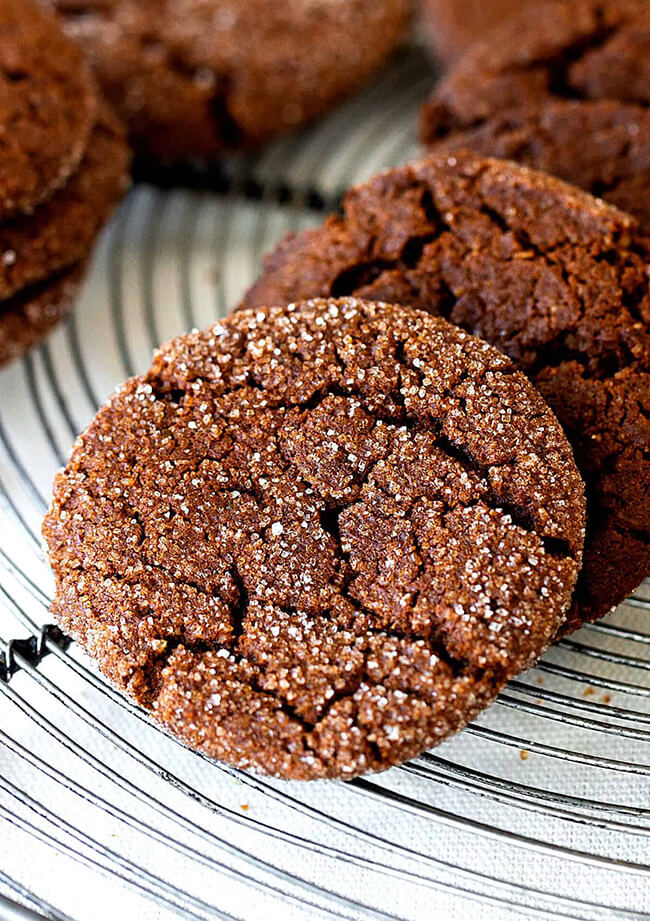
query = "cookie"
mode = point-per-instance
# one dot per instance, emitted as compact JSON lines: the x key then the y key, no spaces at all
{"x":453,"y":25}
{"x":47,"y":106}
{"x":554,"y":278}
{"x":315,"y":540}
{"x":193,"y":78}
{"x":31,"y":315}
{"x":60,"y":232}
{"x":572,"y":98}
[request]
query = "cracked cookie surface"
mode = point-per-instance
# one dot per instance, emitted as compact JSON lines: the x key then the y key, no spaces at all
{"x":193,"y":78}
{"x":47,"y":106}
{"x":316,"y":540}
{"x":572,"y":98}
{"x":551,"y":276}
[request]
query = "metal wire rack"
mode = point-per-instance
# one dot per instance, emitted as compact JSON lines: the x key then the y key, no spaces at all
{"x":540,"y":806}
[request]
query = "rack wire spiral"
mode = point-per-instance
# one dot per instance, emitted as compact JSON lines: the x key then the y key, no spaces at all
{"x":541,"y":805}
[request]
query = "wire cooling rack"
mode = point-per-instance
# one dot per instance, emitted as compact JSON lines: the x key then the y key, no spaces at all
{"x":541,"y":807}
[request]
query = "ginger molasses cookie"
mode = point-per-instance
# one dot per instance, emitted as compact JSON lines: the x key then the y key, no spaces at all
{"x":193,"y":78}
{"x":563,"y":87}
{"x":315,"y":540}
{"x":554,"y":278}
{"x":47,"y":106}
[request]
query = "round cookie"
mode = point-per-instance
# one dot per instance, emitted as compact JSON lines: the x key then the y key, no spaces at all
{"x":315,"y":540}
{"x":556,"y":279}
{"x":193,"y":78}
{"x":31,"y":315}
{"x":453,"y":25}
{"x":47,"y":106}
{"x":61,"y":231}
{"x":572,"y":98}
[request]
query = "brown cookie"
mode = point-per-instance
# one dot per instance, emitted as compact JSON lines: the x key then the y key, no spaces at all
{"x":453,"y":25}
{"x":31,"y":315}
{"x":572,"y":97}
{"x":47,"y":106}
{"x":61,"y":231}
{"x":193,"y":78}
{"x":555,"y":278}
{"x":315,"y":540}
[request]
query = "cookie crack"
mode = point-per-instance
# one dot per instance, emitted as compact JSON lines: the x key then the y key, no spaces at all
{"x":447,"y":117}
{"x":559,"y":350}
{"x":239,"y":610}
{"x":558,"y":66}
{"x":553,"y":547}
{"x":359,"y":276}
{"x":435,"y":647}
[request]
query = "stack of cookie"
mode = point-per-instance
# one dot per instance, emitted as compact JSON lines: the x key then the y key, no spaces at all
{"x":320,"y":536}
{"x":63,"y":167}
